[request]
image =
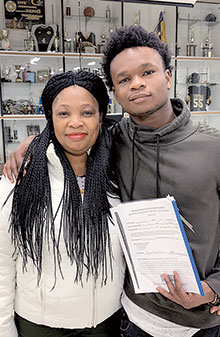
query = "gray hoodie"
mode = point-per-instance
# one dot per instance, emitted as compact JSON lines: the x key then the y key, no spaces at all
{"x":181,"y":159}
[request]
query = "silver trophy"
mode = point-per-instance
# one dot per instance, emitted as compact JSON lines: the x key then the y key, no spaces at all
{"x":137,"y":18}
{"x":191,"y":46}
{"x":29,"y":42}
{"x":207,"y":48}
{"x":5,"y":71}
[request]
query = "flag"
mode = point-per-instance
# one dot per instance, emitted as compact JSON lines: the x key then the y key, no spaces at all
{"x":161,"y":28}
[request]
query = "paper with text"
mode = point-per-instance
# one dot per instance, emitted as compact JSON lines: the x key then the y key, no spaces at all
{"x":154,"y":242}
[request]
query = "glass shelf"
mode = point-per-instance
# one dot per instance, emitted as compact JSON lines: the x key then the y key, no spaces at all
{"x":98,"y":18}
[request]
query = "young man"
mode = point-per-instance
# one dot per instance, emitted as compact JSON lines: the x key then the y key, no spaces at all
{"x":159,"y":150}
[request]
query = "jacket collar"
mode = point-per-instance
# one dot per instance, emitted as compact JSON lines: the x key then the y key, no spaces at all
{"x":54,"y":162}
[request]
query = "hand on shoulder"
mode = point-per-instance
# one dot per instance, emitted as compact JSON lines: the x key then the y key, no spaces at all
{"x":15,"y":160}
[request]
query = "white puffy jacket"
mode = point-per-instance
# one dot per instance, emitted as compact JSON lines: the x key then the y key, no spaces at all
{"x":68,"y":305}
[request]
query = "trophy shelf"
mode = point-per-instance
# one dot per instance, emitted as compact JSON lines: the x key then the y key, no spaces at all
{"x":193,"y":21}
{"x":83,"y":55}
{"x":49,"y":54}
{"x":17,"y":117}
{"x":195,"y":58}
{"x":27,"y":53}
{"x":93,"y":18}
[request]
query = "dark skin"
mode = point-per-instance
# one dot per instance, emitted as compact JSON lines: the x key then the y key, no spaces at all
{"x":141,"y":86}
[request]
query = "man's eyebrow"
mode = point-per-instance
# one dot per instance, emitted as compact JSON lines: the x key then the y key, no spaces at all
{"x":143,"y":65}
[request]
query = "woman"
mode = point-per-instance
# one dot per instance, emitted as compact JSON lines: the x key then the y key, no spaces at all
{"x":61,"y":267}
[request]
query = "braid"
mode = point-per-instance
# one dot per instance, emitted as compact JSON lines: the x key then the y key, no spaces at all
{"x":31,"y":207}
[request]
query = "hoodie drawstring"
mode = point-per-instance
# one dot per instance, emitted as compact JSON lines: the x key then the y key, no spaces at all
{"x":158,"y":194}
{"x":133,"y":167}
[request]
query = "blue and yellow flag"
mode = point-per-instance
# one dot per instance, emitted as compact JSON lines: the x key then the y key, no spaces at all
{"x":161,"y":28}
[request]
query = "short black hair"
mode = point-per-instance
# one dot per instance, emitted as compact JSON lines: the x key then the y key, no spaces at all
{"x":128,"y":37}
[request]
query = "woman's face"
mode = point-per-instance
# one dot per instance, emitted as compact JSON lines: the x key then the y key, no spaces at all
{"x":76,"y":120}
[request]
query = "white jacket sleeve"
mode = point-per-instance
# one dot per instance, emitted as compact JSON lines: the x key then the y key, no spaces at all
{"x":7,"y":266}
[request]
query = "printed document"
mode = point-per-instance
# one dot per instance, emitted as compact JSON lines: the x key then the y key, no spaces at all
{"x":154,"y":242}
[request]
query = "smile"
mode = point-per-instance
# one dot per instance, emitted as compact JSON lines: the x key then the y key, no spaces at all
{"x":76,"y":136}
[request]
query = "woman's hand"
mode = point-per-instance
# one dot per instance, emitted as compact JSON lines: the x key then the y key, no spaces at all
{"x":15,"y":159}
{"x":187,"y":300}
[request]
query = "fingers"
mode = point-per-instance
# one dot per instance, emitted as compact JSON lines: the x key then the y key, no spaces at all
{"x":7,"y":172}
{"x":215,"y":310}
{"x":15,"y":160}
{"x":176,"y":293}
{"x":171,"y":287}
{"x":12,"y":166}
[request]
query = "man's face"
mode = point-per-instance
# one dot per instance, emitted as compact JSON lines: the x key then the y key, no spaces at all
{"x":140,"y":82}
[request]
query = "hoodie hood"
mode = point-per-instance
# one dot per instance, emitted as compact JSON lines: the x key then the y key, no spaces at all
{"x":148,"y":134}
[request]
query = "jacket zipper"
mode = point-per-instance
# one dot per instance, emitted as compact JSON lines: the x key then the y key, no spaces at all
{"x":93,"y":320}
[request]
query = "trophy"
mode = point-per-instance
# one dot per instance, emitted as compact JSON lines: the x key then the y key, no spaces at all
{"x":137,"y":18}
{"x":5,"y":43}
{"x":111,"y":27}
{"x":15,"y":132}
{"x":51,"y":71}
{"x":68,"y":8}
{"x":103,"y":41}
{"x":108,"y":12}
{"x":191,"y":46}
{"x":56,"y":41}
{"x":8,"y":136}
{"x":207,"y":48}
{"x":29,"y":42}
{"x":17,"y":70}
{"x":5,"y":73}
{"x":67,"y":43}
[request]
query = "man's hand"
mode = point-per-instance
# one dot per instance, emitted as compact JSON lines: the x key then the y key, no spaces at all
{"x":187,"y":300}
{"x":14,"y":162}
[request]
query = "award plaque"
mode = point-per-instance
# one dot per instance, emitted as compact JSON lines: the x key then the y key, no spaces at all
{"x":33,"y":130}
{"x":89,"y":12}
{"x":43,"y":75}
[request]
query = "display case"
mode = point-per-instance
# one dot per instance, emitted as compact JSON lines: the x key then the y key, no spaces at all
{"x":197,"y":61}
{"x":77,"y":32}
{"x":23,"y":77}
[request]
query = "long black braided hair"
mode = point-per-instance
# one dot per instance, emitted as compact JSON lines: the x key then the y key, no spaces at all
{"x":84,"y":225}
